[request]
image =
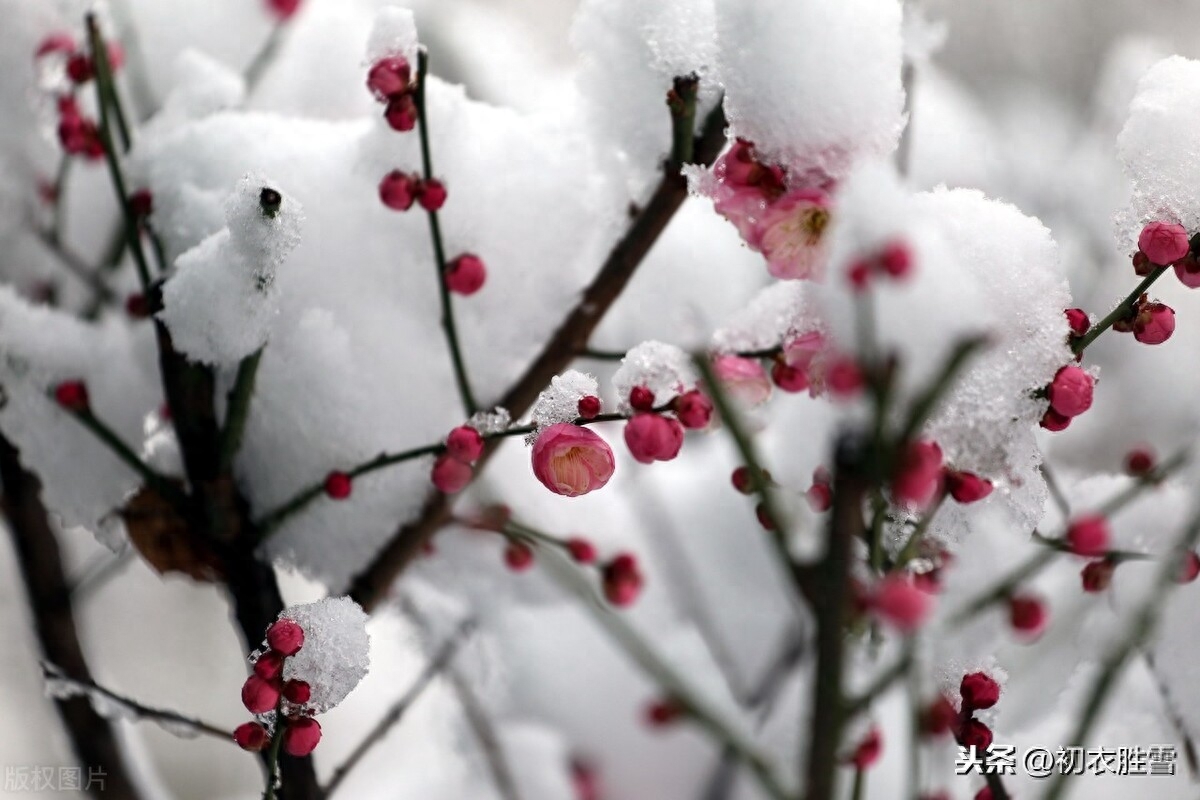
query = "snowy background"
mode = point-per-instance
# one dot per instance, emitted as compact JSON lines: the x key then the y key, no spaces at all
{"x":558,"y":125}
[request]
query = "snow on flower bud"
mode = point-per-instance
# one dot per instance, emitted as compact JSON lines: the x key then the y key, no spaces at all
{"x":570,"y":460}
{"x":72,"y":395}
{"x":338,"y":485}
{"x":975,"y":734}
{"x":588,"y":406}
{"x":259,"y":696}
{"x":918,"y":475}
{"x":1077,"y":320}
{"x":979,"y":691}
{"x":464,"y":444}
{"x":1088,"y":536}
{"x":398,"y":190}
{"x":1070,"y":392}
{"x":431,"y":194}
{"x":653,"y":437}
{"x":449,"y":475}
{"x":867,"y":752}
{"x":283,"y":9}
{"x":899,"y":602}
{"x":641,"y":398}
{"x":622,"y":580}
{"x":581,"y":550}
{"x":1154,"y":323}
{"x":967,"y":487}
{"x":1097,"y":575}
{"x":301,"y":736}
{"x":389,"y":77}
{"x":401,"y":113}
{"x":269,"y":665}
{"x":1189,"y":567}
{"x":744,"y":378}
{"x":285,"y":637}
{"x":1163,"y":242}
{"x":518,"y":556}
{"x":1027,"y":614}
{"x":297,"y":692}
{"x":466,"y":274}
{"x":787,"y":378}
{"x":693,"y":409}
{"x":251,"y":736}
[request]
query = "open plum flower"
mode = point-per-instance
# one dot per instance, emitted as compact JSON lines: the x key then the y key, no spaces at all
{"x":571,"y":460}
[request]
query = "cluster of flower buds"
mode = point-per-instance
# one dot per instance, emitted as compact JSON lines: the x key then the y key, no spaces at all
{"x":652,"y":435}
{"x":1150,"y":322}
{"x":979,"y":692}
{"x":265,"y":692}
{"x":452,"y":470}
{"x":399,"y":190}
{"x":783,"y":221}
{"x":1070,"y":394}
{"x":391,"y":81}
{"x":894,"y":260}
{"x":78,"y":133}
{"x":801,"y":364}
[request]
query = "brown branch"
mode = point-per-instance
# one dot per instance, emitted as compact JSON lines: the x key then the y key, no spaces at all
{"x":92,"y":736}
{"x":371,"y":585}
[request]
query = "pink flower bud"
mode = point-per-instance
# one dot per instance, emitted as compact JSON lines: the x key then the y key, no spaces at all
{"x":844,"y":378}
{"x":59,"y":42}
{"x":788,"y":378}
{"x":297,"y":692}
{"x":975,"y":734}
{"x":742,"y":480}
{"x":900,"y":603}
{"x":1139,"y":461}
{"x":819,"y":497}
{"x":1054,"y":421}
{"x":1154,"y":323}
{"x":979,"y":691}
{"x":967,"y":487}
{"x":301,"y":736}
{"x":939,"y":718}
{"x":259,"y":696}
{"x":867,"y":752}
{"x":251,"y":736}
{"x":269,"y":665}
{"x":398,"y":190}
{"x":518,"y":557}
{"x":622,"y":580}
{"x":744,"y":378}
{"x":1088,"y":536}
{"x":918,"y":475}
{"x":1189,"y":568}
{"x":641,"y":398}
{"x":1070,"y":392}
{"x":588,"y":407}
{"x":72,"y":395}
{"x":80,"y":68}
{"x":1078,"y":321}
{"x":1187,"y":269}
{"x":401,"y":112}
{"x":1097,"y":575}
{"x":859,"y":276}
{"x":570,"y":460}
{"x":466,"y":274}
{"x":1027,"y":614}
{"x":581,"y":550}
{"x":1163,"y":242}
{"x":389,"y":76}
{"x":78,"y":135}
{"x":896,"y":259}
{"x":585,"y":781}
{"x":693,"y":409}
{"x":465,"y":444}
{"x":431,"y":194}
{"x":338,"y":485}
{"x":803,"y":350}
{"x":652,"y":437}
{"x":283,"y":9}
{"x":285,"y":637}
{"x":449,"y":475}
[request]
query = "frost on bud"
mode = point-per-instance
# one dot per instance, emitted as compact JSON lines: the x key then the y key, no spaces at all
{"x":693,"y":409}
{"x":1088,"y":536}
{"x":1027,"y":614}
{"x":431,"y":194}
{"x":581,"y":550}
{"x":1189,"y":567}
{"x":398,"y":190}
{"x":918,"y":475}
{"x":1078,"y":321}
{"x":269,"y":665}
{"x":588,"y":406}
{"x":464,"y":444}
{"x":389,"y":76}
{"x":653,"y":437}
{"x":1070,"y":392}
{"x":301,"y":736}
{"x":1097,"y":575}
{"x":297,"y":692}
{"x":259,"y":696}
{"x":401,"y":113}
{"x":867,"y":752}
{"x":466,"y":274}
{"x":251,"y":736}
{"x":899,"y":602}
{"x":641,"y":398}
{"x":338,"y":485}
{"x":979,"y":691}
{"x":1154,"y":323}
{"x":967,"y":487}
{"x":283,"y":9}
{"x":788,"y":378}
{"x":622,"y":580}
{"x":72,"y":395}
{"x":1163,"y":243}
{"x":1139,"y":461}
{"x":285,"y":637}
{"x":518,"y":556}
{"x":975,"y":734}
{"x":449,"y":475}
{"x":570,"y":460}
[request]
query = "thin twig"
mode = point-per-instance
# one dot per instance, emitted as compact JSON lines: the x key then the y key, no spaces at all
{"x":1123,"y":310}
{"x":237,"y":409}
{"x":884,"y":681}
{"x":1056,"y":492}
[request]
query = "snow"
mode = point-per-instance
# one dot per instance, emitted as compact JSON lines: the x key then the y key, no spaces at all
{"x":336,"y":653}
{"x":664,"y":369}
{"x":559,"y":402}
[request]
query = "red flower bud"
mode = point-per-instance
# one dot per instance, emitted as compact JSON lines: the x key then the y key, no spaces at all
{"x":431,"y":194}
{"x":285,"y":637}
{"x":1097,"y":575}
{"x":589,"y":406}
{"x":465,"y":444}
{"x":693,"y":409}
{"x":251,"y":736}
{"x":269,"y":665}
{"x":967,"y":487}
{"x":72,"y":395}
{"x":466,"y":274}
{"x":1088,"y":536}
{"x":622,"y":580}
{"x":389,"y":77}
{"x":518,"y":556}
{"x":581,"y":550}
{"x":979,"y":691}
{"x":450,"y":475}
{"x":301,"y":736}
{"x":259,"y":696}
{"x":297,"y":692}
{"x":338,"y":485}
{"x":641,"y":398}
